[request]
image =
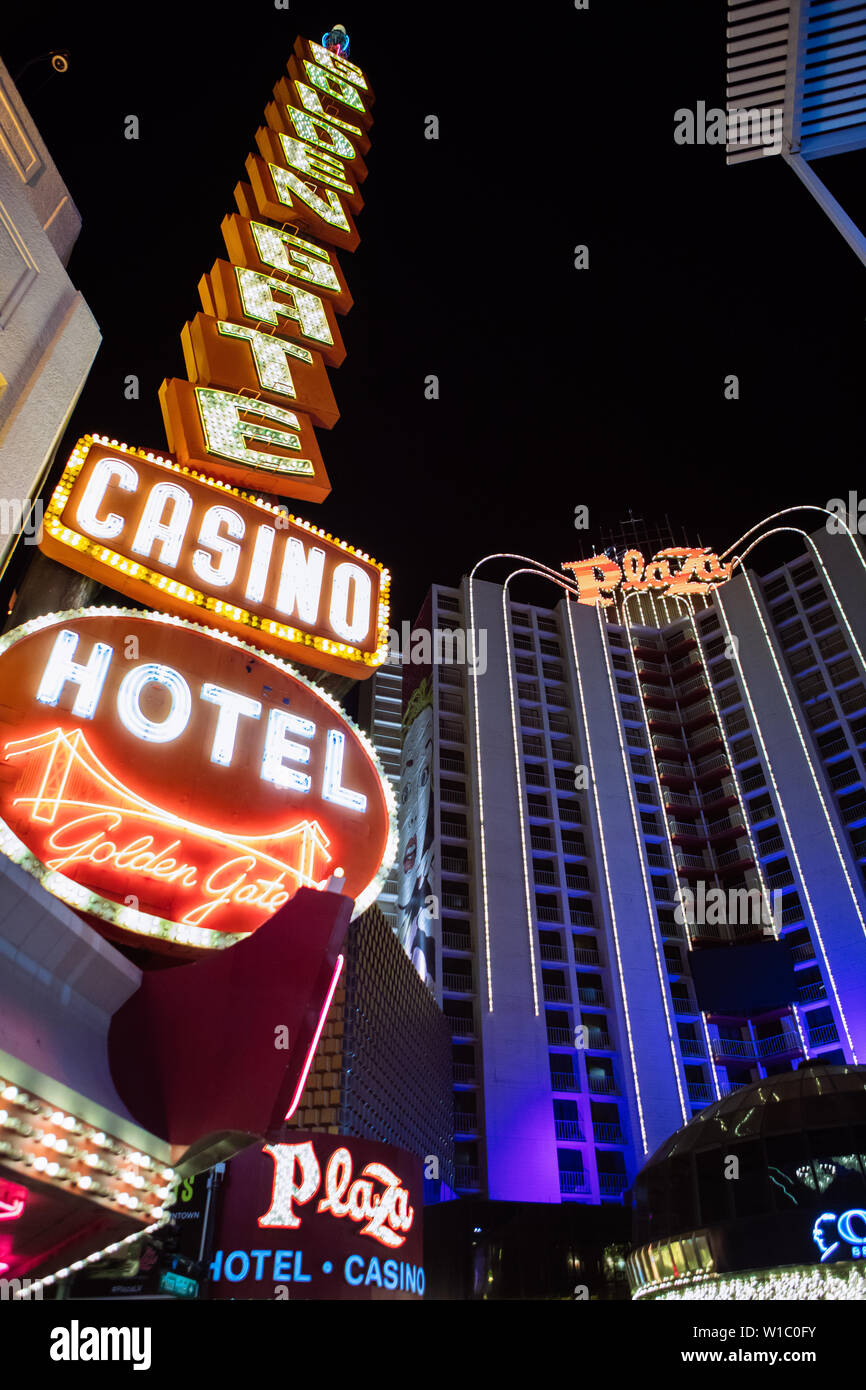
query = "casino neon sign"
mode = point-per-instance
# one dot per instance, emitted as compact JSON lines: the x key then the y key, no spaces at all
{"x":677,"y":570}
{"x":830,"y":1232}
{"x":125,"y":736}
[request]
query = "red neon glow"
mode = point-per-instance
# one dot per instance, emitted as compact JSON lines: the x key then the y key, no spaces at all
{"x":10,"y":1211}
{"x":99,"y":823}
{"x":314,"y":1044}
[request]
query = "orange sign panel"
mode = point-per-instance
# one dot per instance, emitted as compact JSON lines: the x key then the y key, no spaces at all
{"x":177,"y":784}
{"x":239,"y":358}
{"x":249,"y":442}
{"x":277,"y":251}
{"x":342,"y":139}
{"x":273,"y":304}
{"x":284,"y":196}
{"x":172,"y":539}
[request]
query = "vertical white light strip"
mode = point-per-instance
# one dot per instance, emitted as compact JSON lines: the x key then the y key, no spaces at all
{"x":518,"y":773}
{"x":639,"y":844}
{"x":670,"y":844}
{"x":545,"y":572}
{"x":602,"y":840}
{"x":782,"y":812}
{"x":482,"y":831}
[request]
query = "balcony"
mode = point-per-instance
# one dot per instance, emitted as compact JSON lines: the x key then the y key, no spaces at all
{"x":663,"y":744}
{"x":464,"y":1073}
{"x":461,"y":1027}
{"x":588,"y":995}
{"x":779,"y":1044}
{"x":455,"y":828}
{"x":572,"y":1181}
{"x":691,"y":863}
{"x":804,"y":952}
{"x":581,"y":916}
{"x":711,"y":767}
{"x":692,"y":1047}
{"x":658,"y":692}
{"x":584,"y":956}
{"x":465,"y":1123}
{"x":612,"y":1184}
{"x":560,"y":1037}
{"x":675,"y":772}
{"x":725,"y":792}
{"x":466,"y":1177}
{"x":681,"y":801}
{"x":602,"y":1085}
{"x":736,"y":1049}
{"x":551,"y":952}
{"x":693,"y":686}
{"x":700,"y":713}
{"x":564,"y":1081}
{"x":455,"y":902}
{"x":699,"y":1092}
{"x":556,"y":994}
{"x":546,"y":878}
{"x":547,"y":914}
{"x":541,"y":840}
{"x":457,"y":941}
{"x":792,"y":914}
{"x":810,"y":993}
{"x":449,"y":764}
{"x":737,"y":858}
{"x":570,"y":1131}
{"x":686,"y":830}
{"x":727,"y":825}
{"x":651,"y":669}
{"x":684,"y":1005}
{"x":705,"y":738}
{"x":457,"y":984}
{"x":454,"y":864}
{"x":579,"y":882}
{"x":823,"y":1035}
{"x":607,"y":1134}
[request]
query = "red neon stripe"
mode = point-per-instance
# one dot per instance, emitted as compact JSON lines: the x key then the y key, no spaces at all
{"x":318,"y":1033}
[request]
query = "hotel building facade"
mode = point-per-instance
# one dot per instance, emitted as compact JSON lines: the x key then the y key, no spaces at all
{"x":599,"y":762}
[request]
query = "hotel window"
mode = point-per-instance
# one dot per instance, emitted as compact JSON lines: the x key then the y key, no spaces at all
{"x":546,"y":624}
{"x":708,"y":623}
{"x":624,"y":687}
{"x":634,"y":738}
{"x":775,"y":588}
{"x":803,"y":572}
{"x":522,"y":643}
{"x":715,"y":648}
{"x":822,"y":619}
{"x":650,"y":823}
{"x":519,"y":616}
{"x":538,"y":804}
{"x":621,"y":663}
{"x":721,"y":672}
{"x":808,"y":687}
{"x":781,"y":612}
{"x":832,"y":645}
{"x":527,"y":690}
{"x":793,"y":634}
{"x":812,"y":595}
{"x":845,"y":669}
{"x":449,"y":603}
{"x":548,"y":648}
{"x":525,"y":667}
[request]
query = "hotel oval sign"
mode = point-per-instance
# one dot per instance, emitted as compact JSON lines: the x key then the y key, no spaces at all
{"x":176,"y":783}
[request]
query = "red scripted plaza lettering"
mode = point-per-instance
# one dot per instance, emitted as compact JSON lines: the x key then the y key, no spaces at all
{"x":386,"y":1213}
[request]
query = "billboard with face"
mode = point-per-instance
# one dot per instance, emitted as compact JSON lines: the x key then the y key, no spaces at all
{"x":416,"y":853}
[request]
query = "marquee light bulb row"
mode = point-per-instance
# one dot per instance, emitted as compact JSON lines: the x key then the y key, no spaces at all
{"x":66,"y":1150}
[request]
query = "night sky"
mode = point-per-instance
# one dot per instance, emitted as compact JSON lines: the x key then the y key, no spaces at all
{"x":558,"y":387}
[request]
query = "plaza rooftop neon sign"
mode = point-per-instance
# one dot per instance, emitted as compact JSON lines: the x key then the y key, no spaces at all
{"x":677,"y":570}
{"x":179,"y":785}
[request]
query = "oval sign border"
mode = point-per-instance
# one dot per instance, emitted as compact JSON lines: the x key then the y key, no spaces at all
{"x":145,"y":923}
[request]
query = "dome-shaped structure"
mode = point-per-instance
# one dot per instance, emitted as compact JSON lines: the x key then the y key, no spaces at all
{"x":768,"y":1176}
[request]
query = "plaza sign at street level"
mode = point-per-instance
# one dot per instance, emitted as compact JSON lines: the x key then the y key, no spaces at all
{"x":163,"y":535}
{"x":179,"y":784}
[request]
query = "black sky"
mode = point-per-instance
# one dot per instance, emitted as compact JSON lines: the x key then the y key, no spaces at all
{"x":558,"y":387}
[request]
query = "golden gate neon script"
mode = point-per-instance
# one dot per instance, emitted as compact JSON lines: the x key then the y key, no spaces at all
{"x":178,"y":784}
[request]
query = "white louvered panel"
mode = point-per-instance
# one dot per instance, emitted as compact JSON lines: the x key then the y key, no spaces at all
{"x":757,"y":69}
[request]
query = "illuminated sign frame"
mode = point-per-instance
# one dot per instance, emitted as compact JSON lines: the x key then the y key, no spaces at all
{"x":149,"y":580}
{"x":132,"y":919}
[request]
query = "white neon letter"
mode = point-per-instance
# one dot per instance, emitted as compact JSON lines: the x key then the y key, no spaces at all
{"x":301,"y":581}
{"x":352,"y":627}
{"x":231,"y":707}
{"x":170,"y":533}
{"x":89,"y":676}
{"x":129,"y":706}
{"x":260,"y":564}
{"x":286,"y":1189}
{"x":331,"y":789}
{"x":229,"y":553}
{"x":86,"y":513}
{"x":278,"y":748}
